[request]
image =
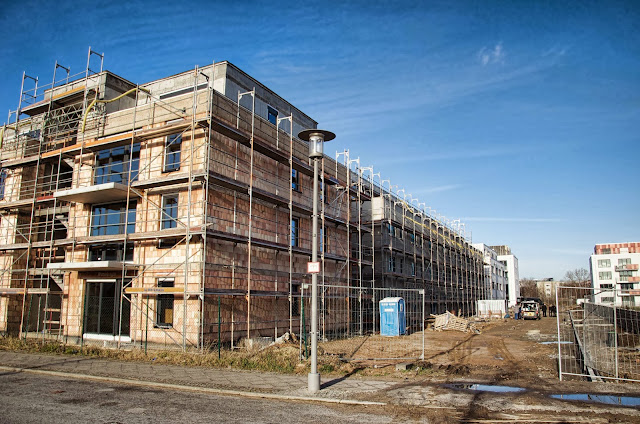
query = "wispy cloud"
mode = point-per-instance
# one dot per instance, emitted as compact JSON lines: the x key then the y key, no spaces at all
{"x":556,"y":51}
{"x":488,"y":55}
{"x":580,"y":252}
{"x":437,"y":189}
{"x":448,"y":85}
{"x":510,"y":219}
{"x":459,"y":154}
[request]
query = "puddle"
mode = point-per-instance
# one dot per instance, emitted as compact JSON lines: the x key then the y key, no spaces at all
{"x":486,"y":388}
{"x":608,"y":399}
{"x":555,"y":343}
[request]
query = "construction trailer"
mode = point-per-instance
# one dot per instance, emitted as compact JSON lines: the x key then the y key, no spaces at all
{"x":178,"y":213}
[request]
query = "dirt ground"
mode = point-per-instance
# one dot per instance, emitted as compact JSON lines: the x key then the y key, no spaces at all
{"x":506,"y":352}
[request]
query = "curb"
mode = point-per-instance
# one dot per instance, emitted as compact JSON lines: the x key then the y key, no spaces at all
{"x":193,"y":389}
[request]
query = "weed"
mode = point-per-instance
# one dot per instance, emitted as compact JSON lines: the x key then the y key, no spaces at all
{"x":327,"y":368}
{"x":281,"y":358}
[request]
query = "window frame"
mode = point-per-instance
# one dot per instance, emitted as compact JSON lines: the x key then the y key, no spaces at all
{"x":171,"y":153}
{"x":105,"y":160}
{"x":168,"y":221}
{"x":123,"y":225}
{"x":605,"y":275}
{"x":604,"y":263}
{"x":294,"y":233}
{"x":295,"y":180}
{"x":391,"y":263}
{"x":161,"y":301}
{"x":272,"y":111}
{"x":3,"y":182}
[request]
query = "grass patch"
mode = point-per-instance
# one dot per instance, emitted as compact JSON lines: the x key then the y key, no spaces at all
{"x":279,"y":358}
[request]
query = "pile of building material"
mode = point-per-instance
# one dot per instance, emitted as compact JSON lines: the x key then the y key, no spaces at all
{"x":448,"y":321}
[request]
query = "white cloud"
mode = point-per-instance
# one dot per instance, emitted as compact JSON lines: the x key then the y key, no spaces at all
{"x":491,"y":55}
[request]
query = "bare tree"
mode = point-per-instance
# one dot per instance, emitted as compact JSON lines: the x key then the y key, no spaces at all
{"x":528,"y":287}
{"x":579,"y":277}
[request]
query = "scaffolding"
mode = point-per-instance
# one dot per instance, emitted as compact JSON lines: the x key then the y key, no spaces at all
{"x":137,"y":215}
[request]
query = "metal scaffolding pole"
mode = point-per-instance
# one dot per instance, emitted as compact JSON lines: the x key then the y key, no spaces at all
{"x":290,"y":209}
{"x":251,"y":141}
{"x":205,"y":203}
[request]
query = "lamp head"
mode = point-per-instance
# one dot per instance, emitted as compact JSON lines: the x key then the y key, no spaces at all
{"x":316,"y":139}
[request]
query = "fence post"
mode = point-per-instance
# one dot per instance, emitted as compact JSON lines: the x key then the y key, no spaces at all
{"x":615,"y":328}
{"x":558,"y":324}
{"x":423,"y":329}
{"x":146,"y":330}
{"x":219,"y":324}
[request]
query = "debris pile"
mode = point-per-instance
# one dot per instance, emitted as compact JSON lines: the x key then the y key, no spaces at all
{"x":285,"y":338}
{"x":448,"y":321}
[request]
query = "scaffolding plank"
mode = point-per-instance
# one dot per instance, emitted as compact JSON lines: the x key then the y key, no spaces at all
{"x":25,"y":204}
{"x":91,"y":266}
{"x":11,"y":290}
{"x":14,"y":163}
{"x":165,"y":129}
{"x":241,"y":292}
{"x":167,"y":179}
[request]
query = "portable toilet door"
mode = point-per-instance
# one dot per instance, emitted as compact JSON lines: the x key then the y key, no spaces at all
{"x":392,"y":316}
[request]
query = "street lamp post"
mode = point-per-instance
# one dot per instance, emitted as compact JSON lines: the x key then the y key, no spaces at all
{"x":316,"y":138}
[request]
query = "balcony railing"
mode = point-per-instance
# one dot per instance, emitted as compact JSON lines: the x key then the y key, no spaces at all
{"x":627,"y":267}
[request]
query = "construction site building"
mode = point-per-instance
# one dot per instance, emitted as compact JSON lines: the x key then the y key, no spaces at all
{"x":495,"y":273}
{"x":510,"y":263}
{"x":178,"y":212}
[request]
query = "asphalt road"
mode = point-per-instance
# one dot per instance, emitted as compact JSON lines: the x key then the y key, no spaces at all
{"x":28,"y":398}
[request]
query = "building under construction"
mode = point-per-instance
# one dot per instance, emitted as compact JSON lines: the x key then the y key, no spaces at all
{"x":178,"y":212}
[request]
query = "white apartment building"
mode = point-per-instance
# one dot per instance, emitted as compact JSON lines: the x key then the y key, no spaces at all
{"x":494,"y":273}
{"x":614,"y":273}
{"x":510,"y":261}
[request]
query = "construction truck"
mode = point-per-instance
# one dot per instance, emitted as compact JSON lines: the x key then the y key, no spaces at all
{"x":530,"y":309}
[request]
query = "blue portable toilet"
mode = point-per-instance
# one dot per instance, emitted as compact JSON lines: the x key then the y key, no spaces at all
{"x":392,"y":316}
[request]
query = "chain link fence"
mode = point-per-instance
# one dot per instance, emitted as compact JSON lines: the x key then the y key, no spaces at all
{"x":597,"y":340}
{"x":353,"y":324}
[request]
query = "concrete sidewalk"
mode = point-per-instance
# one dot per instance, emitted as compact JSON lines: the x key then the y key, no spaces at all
{"x":407,"y":394}
{"x":354,"y":389}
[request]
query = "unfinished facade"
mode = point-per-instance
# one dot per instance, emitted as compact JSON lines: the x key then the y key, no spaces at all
{"x":178,"y":212}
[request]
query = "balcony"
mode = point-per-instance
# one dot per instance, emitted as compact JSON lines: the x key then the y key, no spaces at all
{"x":627,"y":267}
{"x":99,"y":193}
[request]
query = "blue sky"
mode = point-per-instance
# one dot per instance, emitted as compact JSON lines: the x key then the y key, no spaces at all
{"x":520,"y":118}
